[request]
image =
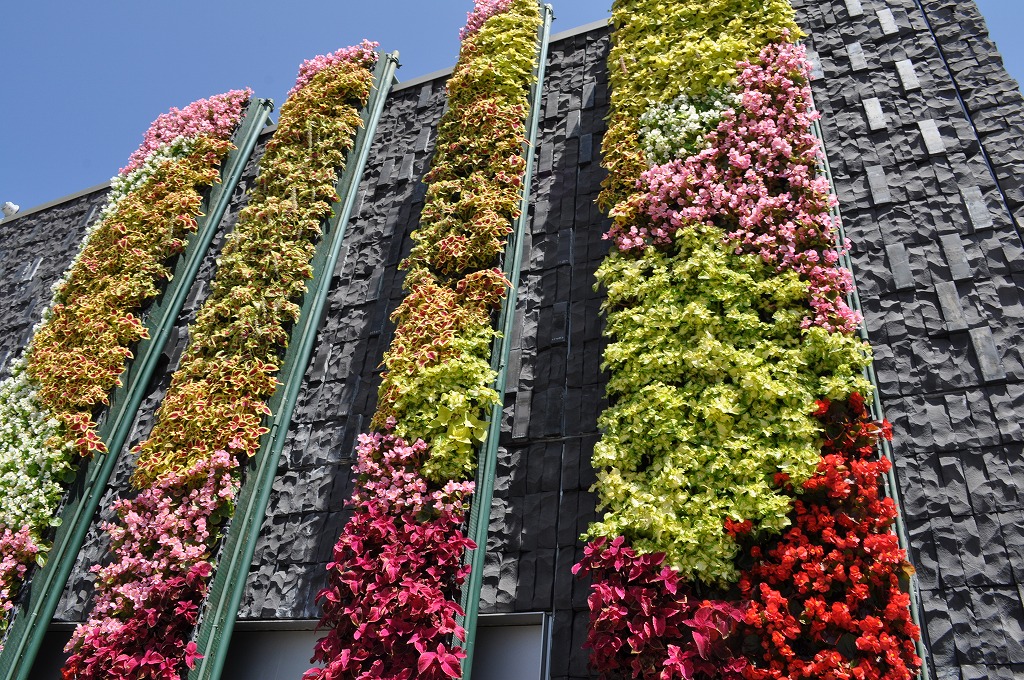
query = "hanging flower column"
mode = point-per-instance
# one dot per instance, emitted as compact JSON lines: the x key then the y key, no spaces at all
{"x":149,"y":597}
{"x":729,"y":326}
{"x":390,"y":605}
{"x":83,"y":343}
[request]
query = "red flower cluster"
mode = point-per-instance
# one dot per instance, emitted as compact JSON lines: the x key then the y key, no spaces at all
{"x":826,"y":599}
{"x":645,"y":622}
{"x":397,"y":568}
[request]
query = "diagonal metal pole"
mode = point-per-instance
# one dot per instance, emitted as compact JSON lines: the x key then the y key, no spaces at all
{"x":480,"y":513}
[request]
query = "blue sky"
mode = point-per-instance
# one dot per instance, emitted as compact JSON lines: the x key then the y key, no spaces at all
{"x":82,"y":81}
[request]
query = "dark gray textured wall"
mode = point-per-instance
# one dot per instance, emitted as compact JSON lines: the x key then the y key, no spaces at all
{"x":556,"y":388}
{"x":938,"y":259}
{"x":35,"y":249}
{"x":339,"y":392}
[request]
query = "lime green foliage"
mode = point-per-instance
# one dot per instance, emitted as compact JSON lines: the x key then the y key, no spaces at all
{"x":661,"y":50}
{"x":439,"y":376}
{"x":713,"y":384}
{"x":438,"y":381}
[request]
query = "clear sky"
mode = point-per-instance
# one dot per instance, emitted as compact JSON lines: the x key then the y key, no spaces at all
{"x":81,"y":81}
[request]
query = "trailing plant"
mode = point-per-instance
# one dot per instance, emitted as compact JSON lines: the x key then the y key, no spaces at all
{"x":148,"y":597}
{"x":730,"y":329}
{"x":757,"y":180}
{"x":85,"y":338}
{"x":645,"y":622}
{"x":390,"y":603}
{"x":438,"y":380}
{"x":160,"y":572}
{"x":397,"y":567}
{"x":711,"y":378}
{"x":218,"y":395}
{"x":663,"y":50}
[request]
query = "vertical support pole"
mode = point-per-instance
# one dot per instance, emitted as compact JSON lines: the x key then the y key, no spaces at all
{"x":221,"y":609}
{"x":480,"y":513}
{"x":47,"y":586}
{"x":892,"y":488}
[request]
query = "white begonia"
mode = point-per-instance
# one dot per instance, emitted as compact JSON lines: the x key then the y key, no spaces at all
{"x":678,"y":129}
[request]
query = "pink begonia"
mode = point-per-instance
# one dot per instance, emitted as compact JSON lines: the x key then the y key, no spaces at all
{"x":148,"y":599}
{"x":19,"y":550}
{"x":758,"y":181}
{"x":390,"y":603}
{"x":482,"y":11}
{"x":363,"y":54}
{"x":214,"y":117}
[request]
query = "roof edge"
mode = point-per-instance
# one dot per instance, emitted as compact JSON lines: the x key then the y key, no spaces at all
{"x":54,"y":202}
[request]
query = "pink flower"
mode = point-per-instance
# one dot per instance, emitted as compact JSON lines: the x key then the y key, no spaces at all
{"x":482,"y":11}
{"x":364,"y":54}
{"x":214,"y":117}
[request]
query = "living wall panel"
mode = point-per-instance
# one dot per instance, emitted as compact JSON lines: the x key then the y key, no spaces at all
{"x":77,"y":595}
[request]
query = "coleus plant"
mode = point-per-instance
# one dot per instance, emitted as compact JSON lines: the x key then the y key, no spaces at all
{"x":729,"y":327}
{"x":82,"y":344}
{"x":390,"y":603}
{"x":149,"y":595}
{"x":438,"y":380}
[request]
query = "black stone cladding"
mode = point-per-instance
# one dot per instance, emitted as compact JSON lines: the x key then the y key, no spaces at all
{"x":75,"y":602}
{"x":555,"y":388}
{"x":923,"y":131}
{"x":35,"y":249}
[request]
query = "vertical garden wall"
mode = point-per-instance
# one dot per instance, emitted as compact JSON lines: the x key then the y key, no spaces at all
{"x":719,"y":340}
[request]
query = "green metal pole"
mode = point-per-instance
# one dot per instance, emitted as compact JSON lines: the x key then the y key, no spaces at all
{"x":480,"y":513}
{"x":221,"y":610}
{"x":26,"y":635}
{"x":891,"y":486}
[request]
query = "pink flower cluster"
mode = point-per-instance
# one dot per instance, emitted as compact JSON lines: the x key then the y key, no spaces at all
{"x":390,"y":600}
{"x":19,"y":550}
{"x":646,"y":624}
{"x":482,"y":11}
{"x":214,"y":117}
{"x":148,"y":598}
{"x":758,"y":181}
{"x":363,"y":54}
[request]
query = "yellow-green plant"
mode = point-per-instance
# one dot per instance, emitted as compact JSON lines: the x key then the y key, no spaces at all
{"x":438,"y":384}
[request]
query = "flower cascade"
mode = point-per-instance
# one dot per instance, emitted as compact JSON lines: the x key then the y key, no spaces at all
{"x":82,"y":344}
{"x":827,"y":599}
{"x":391,"y":599}
{"x":757,"y":181}
{"x":393,"y":608}
{"x":188,"y":471}
{"x":438,"y":381}
{"x":741,"y":537}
